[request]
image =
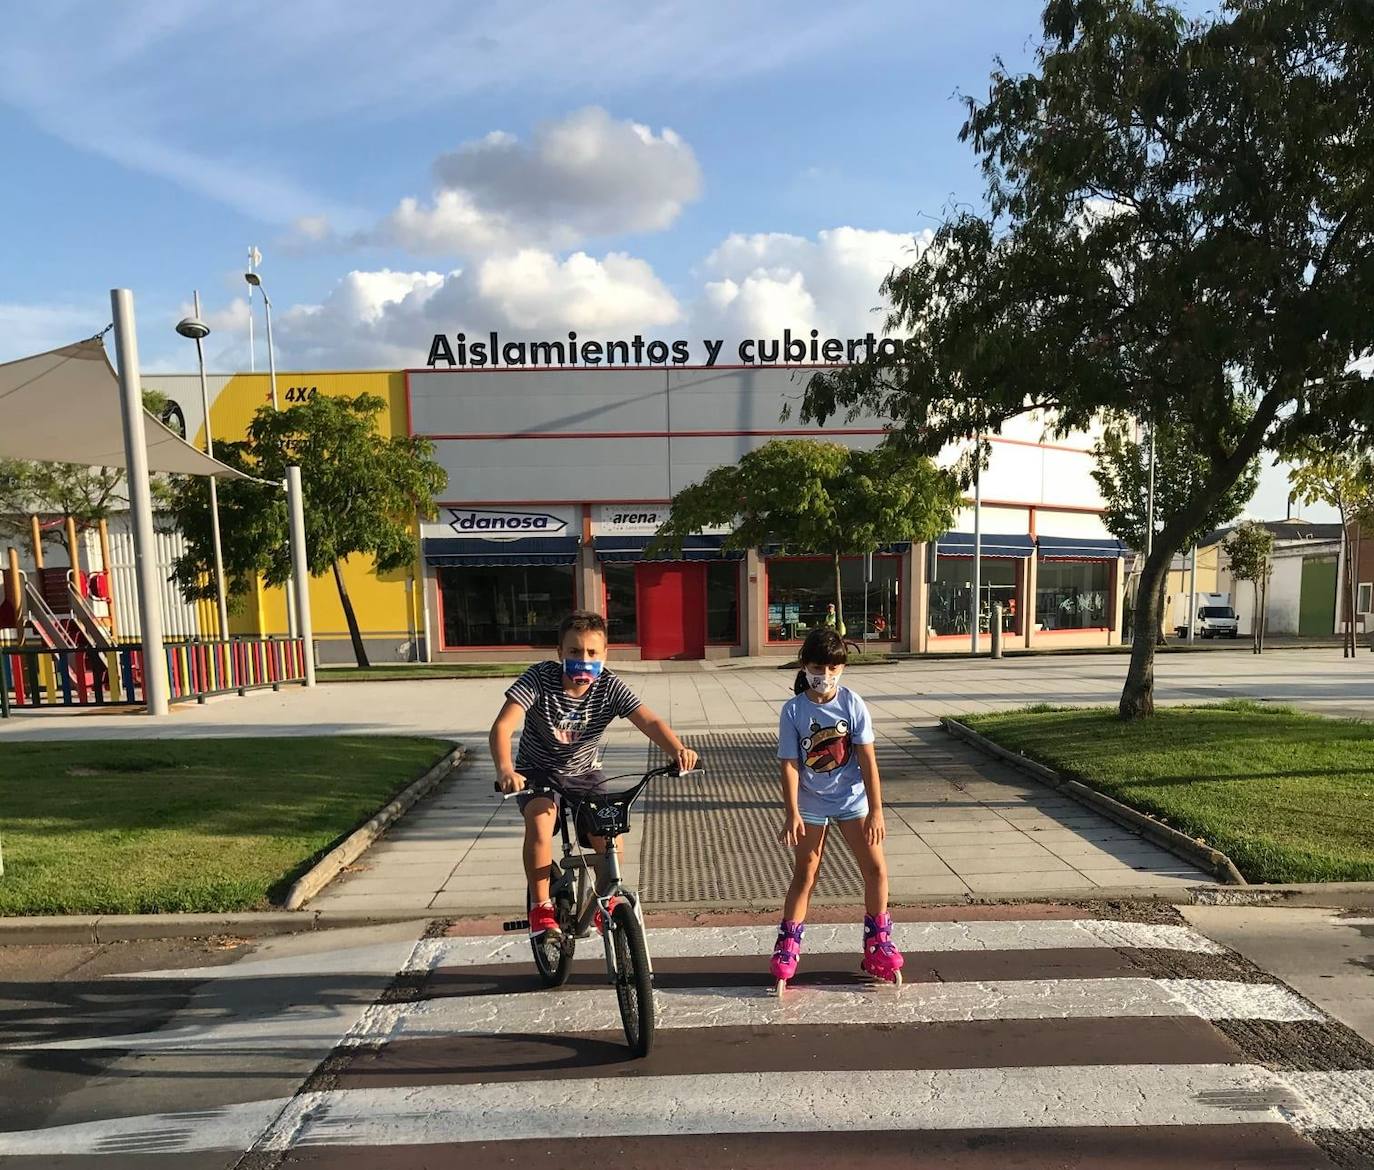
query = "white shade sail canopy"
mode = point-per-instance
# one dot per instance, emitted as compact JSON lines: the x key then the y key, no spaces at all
{"x":63,"y":406}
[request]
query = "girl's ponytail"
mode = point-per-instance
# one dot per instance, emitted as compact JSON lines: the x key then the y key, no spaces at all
{"x":799,"y":684}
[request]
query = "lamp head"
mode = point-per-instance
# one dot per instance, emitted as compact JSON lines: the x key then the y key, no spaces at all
{"x":193,"y":327}
{"x":253,"y":278}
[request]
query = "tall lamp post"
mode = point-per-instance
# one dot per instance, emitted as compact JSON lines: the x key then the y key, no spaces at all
{"x":197,"y":330}
{"x":255,"y":281}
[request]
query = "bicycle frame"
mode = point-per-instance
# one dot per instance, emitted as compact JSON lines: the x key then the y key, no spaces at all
{"x":574,"y":878}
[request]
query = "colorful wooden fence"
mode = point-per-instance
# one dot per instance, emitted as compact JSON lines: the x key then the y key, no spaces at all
{"x":36,"y":677}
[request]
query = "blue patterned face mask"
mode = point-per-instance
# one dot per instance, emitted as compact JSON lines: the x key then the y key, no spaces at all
{"x":582,"y":670}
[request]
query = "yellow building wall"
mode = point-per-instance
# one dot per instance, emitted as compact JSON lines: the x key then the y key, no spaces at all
{"x":385,"y":608}
{"x":1176,"y":599}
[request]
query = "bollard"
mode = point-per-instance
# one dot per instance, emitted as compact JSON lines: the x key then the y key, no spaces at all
{"x":995,"y":629}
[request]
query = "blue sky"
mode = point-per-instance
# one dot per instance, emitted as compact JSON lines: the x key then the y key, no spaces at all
{"x":687,"y":169}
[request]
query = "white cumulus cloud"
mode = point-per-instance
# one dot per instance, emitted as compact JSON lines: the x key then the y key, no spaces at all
{"x":588,"y":175}
{"x":759,"y":284}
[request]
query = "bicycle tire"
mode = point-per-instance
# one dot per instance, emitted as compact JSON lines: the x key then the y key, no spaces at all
{"x":553,"y":958}
{"x":634,"y":982}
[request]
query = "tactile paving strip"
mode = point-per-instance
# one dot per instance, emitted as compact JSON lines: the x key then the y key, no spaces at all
{"x":716,"y":839}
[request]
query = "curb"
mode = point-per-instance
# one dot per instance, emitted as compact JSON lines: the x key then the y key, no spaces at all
{"x":85,"y":930}
{"x":356,"y":843}
{"x":1162,"y":835}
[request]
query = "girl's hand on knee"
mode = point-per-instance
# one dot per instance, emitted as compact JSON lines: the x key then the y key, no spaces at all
{"x":793,"y":830}
{"x":874,"y":829}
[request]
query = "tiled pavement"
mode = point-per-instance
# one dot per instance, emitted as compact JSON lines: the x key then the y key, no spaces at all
{"x":958,"y":824}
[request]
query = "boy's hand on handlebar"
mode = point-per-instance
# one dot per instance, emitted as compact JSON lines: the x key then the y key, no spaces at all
{"x":793,"y":830}
{"x":510,"y":782}
{"x":687,"y":760}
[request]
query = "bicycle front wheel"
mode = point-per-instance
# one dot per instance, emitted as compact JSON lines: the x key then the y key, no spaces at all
{"x":553,"y":956}
{"x":634,"y":982}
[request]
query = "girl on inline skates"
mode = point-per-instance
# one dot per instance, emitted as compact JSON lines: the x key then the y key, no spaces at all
{"x":830,"y":773}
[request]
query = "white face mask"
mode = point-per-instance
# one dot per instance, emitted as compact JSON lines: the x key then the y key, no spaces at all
{"x":823,"y":683}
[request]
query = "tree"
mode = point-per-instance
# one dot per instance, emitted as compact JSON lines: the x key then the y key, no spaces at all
{"x":1176,"y":227}
{"x":361,"y":494}
{"x":817,"y":497}
{"x":1122,"y":473}
{"x":1344,"y":481}
{"x":1249,"y":548}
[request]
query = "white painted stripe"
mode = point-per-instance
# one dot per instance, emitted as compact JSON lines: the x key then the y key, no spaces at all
{"x":231,"y":1127}
{"x":710,"y":941}
{"x":1113,"y":1096}
{"x":550,"y":1013}
{"x":384,"y":959}
{"x":696,"y":942}
{"x":1332,"y":1100}
{"x":592,"y":1010}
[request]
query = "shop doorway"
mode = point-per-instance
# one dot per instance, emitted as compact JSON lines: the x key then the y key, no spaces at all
{"x":672,"y":610}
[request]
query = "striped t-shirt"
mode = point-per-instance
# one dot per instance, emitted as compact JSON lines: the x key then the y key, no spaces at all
{"x":563,"y":732}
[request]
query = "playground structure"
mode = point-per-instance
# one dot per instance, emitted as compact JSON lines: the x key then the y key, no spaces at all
{"x":71,"y":406}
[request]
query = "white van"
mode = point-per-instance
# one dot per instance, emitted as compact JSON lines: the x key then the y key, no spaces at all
{"x":1215,"y":617}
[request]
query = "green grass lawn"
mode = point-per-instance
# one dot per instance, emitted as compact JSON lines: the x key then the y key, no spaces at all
{"x":1288,"y":796}
{"x":185,"y":825}
{"x":392,"y":673}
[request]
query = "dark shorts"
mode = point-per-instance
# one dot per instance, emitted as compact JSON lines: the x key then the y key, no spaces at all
{"x":534,"y":776}
{"x":585,"y":782}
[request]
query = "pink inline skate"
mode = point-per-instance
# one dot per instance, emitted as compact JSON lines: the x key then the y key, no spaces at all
{"x":881,"y":959}
{"x":786,"y":952}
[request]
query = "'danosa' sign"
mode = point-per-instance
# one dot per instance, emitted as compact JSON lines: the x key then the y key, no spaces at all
{"x":486,"y":523}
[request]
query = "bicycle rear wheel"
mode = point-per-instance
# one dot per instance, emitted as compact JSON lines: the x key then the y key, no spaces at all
{"x":553,"y":956}
{"x":634,"y":982}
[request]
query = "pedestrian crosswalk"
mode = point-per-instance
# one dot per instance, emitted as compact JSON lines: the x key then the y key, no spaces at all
{"x":1018,"y":1041}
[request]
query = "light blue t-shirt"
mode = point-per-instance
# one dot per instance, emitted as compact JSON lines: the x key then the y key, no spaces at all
{"x":821,"y":737}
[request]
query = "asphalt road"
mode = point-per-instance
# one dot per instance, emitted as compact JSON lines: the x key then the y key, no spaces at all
{"x":1057,"y":1036}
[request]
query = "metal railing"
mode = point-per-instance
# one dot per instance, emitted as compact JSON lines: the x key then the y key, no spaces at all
{"x":35,"y":677}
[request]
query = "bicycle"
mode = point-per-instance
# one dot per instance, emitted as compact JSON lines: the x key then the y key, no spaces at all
{"x":604,"y":813}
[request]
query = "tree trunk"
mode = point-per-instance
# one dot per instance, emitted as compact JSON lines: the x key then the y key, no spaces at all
{"x":1138,"y":695}
{"x":359,"y":651}
{"x":1263,"y":608}
{"x":1255,"y":620}
{"x":1348,"y":588}
{"x":839,"y":599}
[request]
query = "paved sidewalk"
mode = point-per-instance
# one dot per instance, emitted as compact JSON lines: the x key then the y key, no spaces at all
{"x":958,"y":824}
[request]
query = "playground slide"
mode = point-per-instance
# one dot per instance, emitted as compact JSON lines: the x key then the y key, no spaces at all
{"x":46,"y":623}
{"x":90,"y":625}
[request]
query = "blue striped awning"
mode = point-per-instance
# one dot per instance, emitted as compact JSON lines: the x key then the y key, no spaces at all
{"x":613,"y":549}
{"x":993,"y":544}
{"x":457,"y":552}
{"x":1080,"y":548}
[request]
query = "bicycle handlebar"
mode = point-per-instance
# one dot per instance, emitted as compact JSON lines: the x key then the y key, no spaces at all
{"x":667,"y":770}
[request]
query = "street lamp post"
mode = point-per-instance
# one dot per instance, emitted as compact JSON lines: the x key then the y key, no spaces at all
{"x":255,"y":281}
{"x":196,"y":329}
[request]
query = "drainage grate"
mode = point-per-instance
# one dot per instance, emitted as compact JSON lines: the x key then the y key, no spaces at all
{"x":716,"y":840}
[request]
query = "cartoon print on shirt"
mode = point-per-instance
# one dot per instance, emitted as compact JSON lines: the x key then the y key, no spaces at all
{"x":827,"y":748}
{"x":571,"y":727}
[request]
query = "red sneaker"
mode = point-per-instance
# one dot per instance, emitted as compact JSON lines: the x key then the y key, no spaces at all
{"x":543,"y":921}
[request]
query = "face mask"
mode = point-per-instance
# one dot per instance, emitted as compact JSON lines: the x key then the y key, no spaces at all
{"x":582,"y":670}
{"x":822,"y":683}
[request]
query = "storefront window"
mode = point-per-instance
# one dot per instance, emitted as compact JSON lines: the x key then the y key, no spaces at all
{"x":514,"y":605}
{"x":722,"y":602}
{"x":949,"y":594}
{"x":1072,"y":595}
{"x":799,"y":590}
{"x":622,"y":605}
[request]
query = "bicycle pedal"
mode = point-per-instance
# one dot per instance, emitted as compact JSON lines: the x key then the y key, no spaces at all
{"x":516,"y":924}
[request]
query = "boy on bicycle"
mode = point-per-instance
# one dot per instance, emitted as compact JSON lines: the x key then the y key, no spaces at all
{"x":566,"y":707}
